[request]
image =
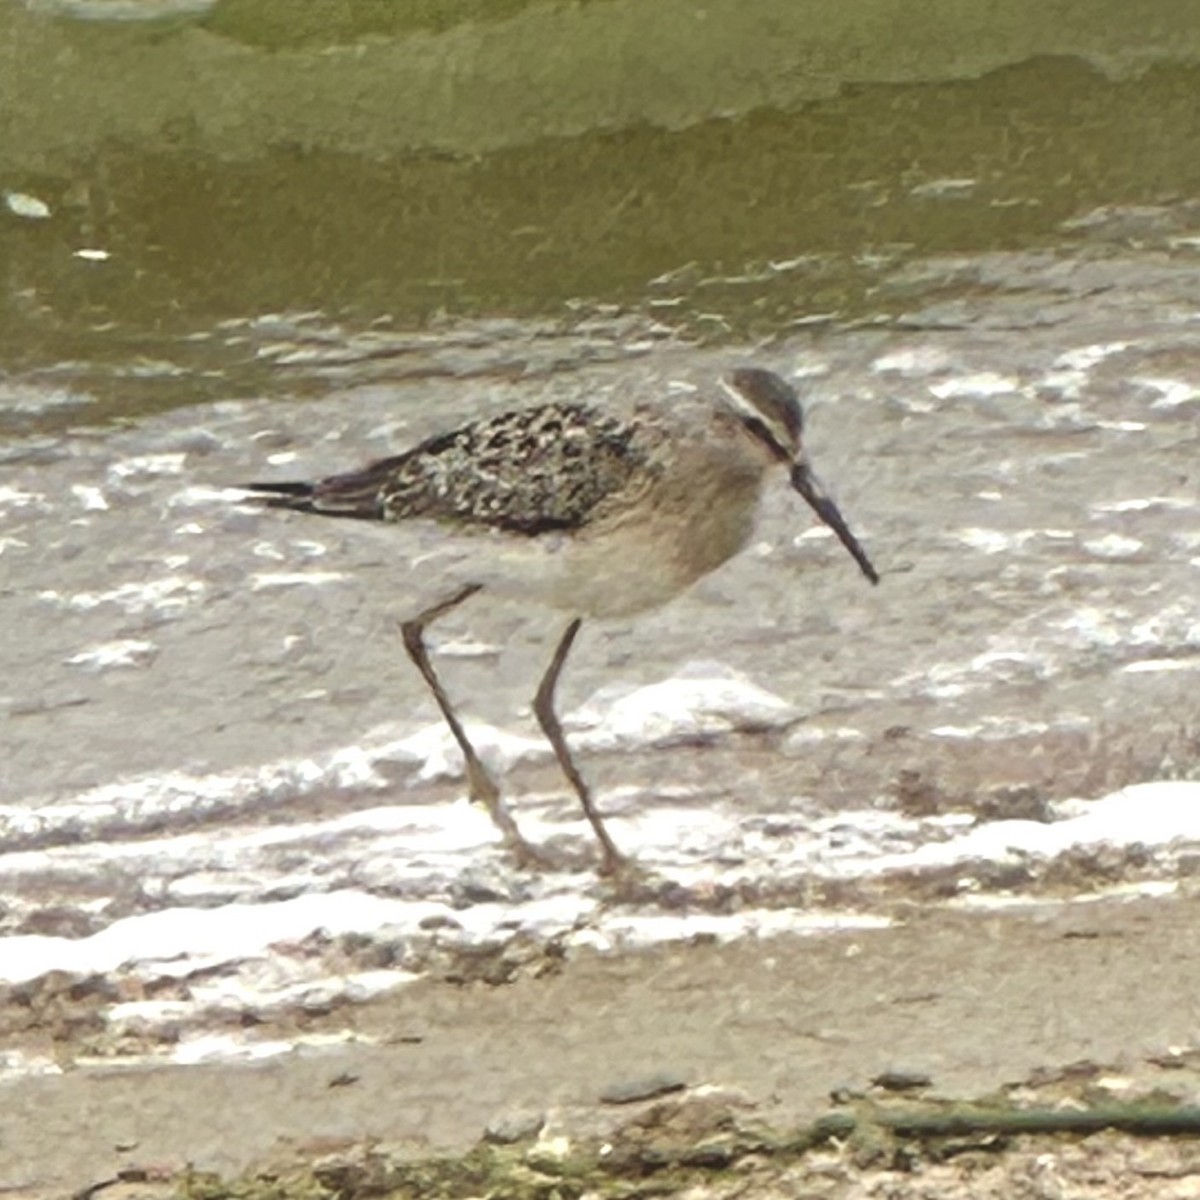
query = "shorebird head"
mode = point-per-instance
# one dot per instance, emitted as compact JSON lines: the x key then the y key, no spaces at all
{"x":769,"y":411}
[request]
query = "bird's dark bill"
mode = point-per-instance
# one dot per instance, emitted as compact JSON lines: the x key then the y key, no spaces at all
{"x":806,"y":484}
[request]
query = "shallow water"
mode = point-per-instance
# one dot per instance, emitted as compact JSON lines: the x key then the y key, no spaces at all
{"x":229,"y":254}
{"x":216,"y":747}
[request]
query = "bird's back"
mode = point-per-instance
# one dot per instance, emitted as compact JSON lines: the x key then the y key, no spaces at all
{"x":528,"y":471}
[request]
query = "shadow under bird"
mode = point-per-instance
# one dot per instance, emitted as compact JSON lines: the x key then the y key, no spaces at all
{"x":588,"y":510}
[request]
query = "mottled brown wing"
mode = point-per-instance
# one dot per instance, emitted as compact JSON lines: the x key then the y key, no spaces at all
{"x":528,"y":471}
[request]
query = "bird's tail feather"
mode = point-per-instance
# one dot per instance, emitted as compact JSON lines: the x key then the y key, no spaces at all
{"x":354,"y":495}
{"x":283,"y":495}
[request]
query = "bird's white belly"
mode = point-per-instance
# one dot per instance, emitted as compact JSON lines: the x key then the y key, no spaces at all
{"x":582,"y":578}
{"x":637,"y":561}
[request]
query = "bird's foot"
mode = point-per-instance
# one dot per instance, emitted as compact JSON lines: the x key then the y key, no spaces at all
{"x":626,"y":881}
{"x":614,"y":864}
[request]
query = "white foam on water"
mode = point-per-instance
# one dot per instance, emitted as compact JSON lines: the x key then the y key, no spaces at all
{"x":679,"y":842}
{"x":1149,"y":814}
{"x":982,"y":384}
{"x":126,"y":652}
{"x":206,"y":937}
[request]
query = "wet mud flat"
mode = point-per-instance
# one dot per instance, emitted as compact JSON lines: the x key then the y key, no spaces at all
{"x":708,"y":1147}
{"x":812,"y":1066}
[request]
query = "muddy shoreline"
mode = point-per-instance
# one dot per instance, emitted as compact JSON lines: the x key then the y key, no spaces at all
{"x":1103,"y":992}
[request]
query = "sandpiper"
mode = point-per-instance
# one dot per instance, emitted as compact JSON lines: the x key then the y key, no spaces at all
{"x":594,"y":512}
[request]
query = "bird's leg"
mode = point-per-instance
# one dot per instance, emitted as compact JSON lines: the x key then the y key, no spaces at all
{"x":543,"y":705}
{"x":483,"y":787}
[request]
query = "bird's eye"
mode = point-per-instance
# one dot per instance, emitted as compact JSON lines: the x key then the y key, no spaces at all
{"x":758,"y":430}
